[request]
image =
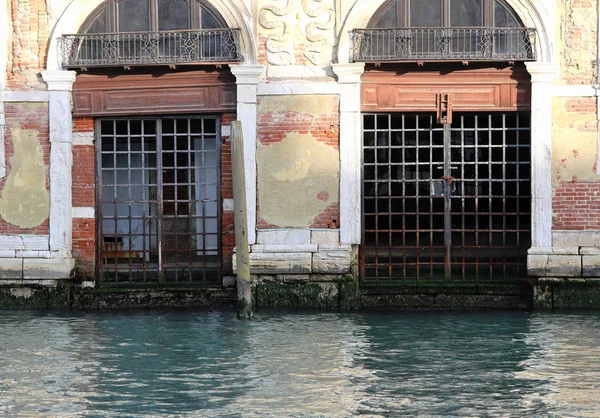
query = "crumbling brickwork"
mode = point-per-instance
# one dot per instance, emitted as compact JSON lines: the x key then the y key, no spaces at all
{"x":30,"y":38}
{"x":578,"y":34}
{"x":84,"y":192}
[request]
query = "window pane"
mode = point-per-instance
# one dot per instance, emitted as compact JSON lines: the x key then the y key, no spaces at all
{"x":208,"y":20}
{"x":503,"y":18}
{"x":133,"y":15}
{"x":466,"y":12}
{"x":388,"y":19}
{"x":99,"y":23}
{"x":172,"y":14}
{"x":425,"y":13}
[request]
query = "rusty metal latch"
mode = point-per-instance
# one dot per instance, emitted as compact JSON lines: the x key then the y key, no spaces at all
{"x":449,"y":179}
{"x":443,"y":105}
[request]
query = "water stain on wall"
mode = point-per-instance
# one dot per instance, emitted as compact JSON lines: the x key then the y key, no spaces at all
{"x":25,"y":201}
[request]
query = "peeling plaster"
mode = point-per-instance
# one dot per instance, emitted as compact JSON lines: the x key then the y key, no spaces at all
{"x":25,"y":201}
{"x":294,"y":175}
{"x":573,"y":150}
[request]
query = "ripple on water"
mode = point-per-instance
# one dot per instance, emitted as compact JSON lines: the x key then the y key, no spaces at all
{"x":299,"y":364}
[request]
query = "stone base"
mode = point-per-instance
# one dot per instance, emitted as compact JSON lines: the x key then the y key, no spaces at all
{"x":566,"y":293}
{"x":36,"y":268}
{"x":349,"y":295}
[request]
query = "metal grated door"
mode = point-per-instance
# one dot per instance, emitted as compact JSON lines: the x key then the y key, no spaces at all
{"x":446,"y":201}
{"x":158,"y":193}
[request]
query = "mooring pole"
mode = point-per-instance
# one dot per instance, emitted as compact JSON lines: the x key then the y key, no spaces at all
{"x":244,"y":290}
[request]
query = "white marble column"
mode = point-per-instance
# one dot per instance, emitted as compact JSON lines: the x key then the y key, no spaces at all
{"x":247,"y":79}
{"x":542,"y":76}
{"x":350,"y":151}
{"x":60,"y":84}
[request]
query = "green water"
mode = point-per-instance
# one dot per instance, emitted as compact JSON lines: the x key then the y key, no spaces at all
{"x":208,"y":364}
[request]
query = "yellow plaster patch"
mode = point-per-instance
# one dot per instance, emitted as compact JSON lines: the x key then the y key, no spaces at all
{"x":573,"y":151}
{"x":291,"y":174}
{"x":25,"y":201}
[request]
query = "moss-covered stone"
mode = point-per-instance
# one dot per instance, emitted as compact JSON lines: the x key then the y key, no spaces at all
{"x":34,"y":297}
{"x":297,"y":295}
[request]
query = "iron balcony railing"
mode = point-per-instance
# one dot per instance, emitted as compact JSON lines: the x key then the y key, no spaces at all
{"x":150,"y":48}
{"x":443,"y":44}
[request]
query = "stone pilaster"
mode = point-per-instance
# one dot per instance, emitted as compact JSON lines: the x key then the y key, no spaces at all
{"x":60,"y":84}
{"x":247,"y":79}
{"x":350,"y":151}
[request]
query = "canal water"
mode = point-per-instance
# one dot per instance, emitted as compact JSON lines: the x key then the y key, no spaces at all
{"x":299,"y":364}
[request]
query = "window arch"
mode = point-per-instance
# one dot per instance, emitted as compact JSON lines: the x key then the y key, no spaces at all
{"x":152,"y":15}
{"x":444,"y":13}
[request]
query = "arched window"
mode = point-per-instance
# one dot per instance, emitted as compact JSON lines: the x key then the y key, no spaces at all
{"x":444,"y":13}
{"x":151,"y":16}
{"x":451,"y":30}
{"x":151,"y":32}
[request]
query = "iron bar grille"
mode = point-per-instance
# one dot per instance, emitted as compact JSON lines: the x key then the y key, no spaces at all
{"x":149,"y":48}
{"x":158,"y":193}
{"x":404,"y":156}
{"x":460,"y":44}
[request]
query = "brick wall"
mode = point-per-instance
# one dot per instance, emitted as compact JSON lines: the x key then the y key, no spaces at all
{"x":27,"y":54}
{"x":274,"y":126}
{"x":576,"y":199}
{"x":576,"y":206}
{"x":26,"y":116}
{"x":84,"y":189}
{"x":227,"y":224}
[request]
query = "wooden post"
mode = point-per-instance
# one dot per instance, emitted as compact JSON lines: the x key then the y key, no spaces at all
{"x":244,"y":290}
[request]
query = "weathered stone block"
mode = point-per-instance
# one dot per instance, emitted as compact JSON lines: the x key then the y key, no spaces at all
{"x":565,"y":250}
{"x":564,"y":266}
{"x":589,"y":251}
{"x":36,"y":242}
{"x":7,"y":254}
{"x":46,"y":268}
{"x":590,"y":265}
{"x":335,"y":247}
{"x":25,"y":242}
{"x":293,"y":277}
{"x":537,"y":265}
{"x":331,"y":262}
{"x":550,"y":281}
{"x":285,"y":248}
{"x":288,"y":236}
{"x":325,"y":236}
{"x":273,"y":263}
{"x":33,"y":254}
{"x":539,"y":250}
{"x":11,"y":268}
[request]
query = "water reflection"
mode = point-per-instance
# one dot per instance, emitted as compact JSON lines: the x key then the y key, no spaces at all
{"x":299,"y":364}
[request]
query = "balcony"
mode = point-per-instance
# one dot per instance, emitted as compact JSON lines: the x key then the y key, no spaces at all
{"x":443,"y":44}
{"x":209,"y":46}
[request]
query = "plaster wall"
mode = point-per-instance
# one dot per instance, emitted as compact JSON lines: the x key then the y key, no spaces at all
{"x":297,"y":159}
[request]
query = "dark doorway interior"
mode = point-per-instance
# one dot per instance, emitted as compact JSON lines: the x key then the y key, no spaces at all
{"x":411,"y":231}
{"x":158,"y":200}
